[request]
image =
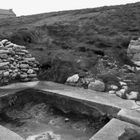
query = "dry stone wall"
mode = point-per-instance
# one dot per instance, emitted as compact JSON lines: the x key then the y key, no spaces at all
{"x":16,"y":63}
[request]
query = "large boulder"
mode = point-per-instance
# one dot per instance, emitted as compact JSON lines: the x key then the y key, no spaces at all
{"x":97,"y":85}
{"x":73,"y":79}
{"x":133,"y":51}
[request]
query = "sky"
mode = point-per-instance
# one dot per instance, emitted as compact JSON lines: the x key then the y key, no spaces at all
{"x":29,"y":7}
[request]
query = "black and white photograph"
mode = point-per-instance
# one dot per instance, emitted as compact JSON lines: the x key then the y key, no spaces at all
{"x":70,"y":70}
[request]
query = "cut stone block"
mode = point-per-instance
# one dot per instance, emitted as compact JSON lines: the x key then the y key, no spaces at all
{"x":6,"y":134}
{"x":113,"y":130}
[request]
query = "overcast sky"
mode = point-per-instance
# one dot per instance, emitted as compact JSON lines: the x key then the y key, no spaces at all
{"x":28,"y":7}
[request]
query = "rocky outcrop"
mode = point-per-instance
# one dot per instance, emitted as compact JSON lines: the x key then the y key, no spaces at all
{"x":16,"y":63}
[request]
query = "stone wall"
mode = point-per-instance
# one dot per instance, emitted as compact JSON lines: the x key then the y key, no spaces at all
{"x":16,"y":63}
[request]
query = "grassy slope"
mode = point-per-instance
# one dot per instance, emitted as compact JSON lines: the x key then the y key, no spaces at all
{"x":72,"y":39}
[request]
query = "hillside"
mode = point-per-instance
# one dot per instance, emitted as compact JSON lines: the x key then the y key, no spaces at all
{"x":69,"y":42}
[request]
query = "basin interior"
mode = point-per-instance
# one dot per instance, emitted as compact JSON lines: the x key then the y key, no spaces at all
{"x":31,"y":112}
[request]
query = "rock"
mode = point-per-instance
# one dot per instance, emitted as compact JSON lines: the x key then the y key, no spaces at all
{"x":4,"y":52}
{"x":29,"y":59}
{"x":18,"y":47}
{"x":24,"y":66}
{"x":24,"y":51}
{"x":133,"y":51}
{"x":73,"y":79}
{"x":122,"y":83}
{"x":97,"y":85}
{"x":4,"y":41}
{"x":36,"y":69}
{"x":23,"y":75}
{"x":3,"y":56}
{"x":32,"y":75}
{"x":133,"y":95}
{"x":114,"y":87}
{"x":20,"y":53}
{"x":121,"y":93}
{"x":14,"y":75}
{"x":4,"y":64}
{"x":25,"y":80}
{"x":30,"y":71}
{"x":6,"y":74}
{"x":112,"y":92}
{"x":4,"y":67}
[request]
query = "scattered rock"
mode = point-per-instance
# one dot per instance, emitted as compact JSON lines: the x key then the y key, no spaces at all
{"x":122,"y":83}
{"x":114,"y":87}
{"x":97,"y":86}
{"x":73,"y":79}
{"x":121,"y":93}
{"x":133,"y":95}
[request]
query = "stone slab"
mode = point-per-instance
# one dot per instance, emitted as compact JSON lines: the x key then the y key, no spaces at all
{"x":131,"y":116}
{"x":100,"y":99}
{"x":86,"y":94}
{"x":112,"y":130}
{"x":6,"y":134}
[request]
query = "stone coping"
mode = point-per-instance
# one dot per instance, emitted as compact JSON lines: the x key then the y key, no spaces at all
{"x":6,"y":134}
{"x":112,"y":130}
{"x":127,"y":111}
{"x":75,"y":92}
{"x":131,"y":116}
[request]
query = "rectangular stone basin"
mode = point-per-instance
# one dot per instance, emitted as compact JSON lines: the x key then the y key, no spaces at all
{"x":37,"y":116}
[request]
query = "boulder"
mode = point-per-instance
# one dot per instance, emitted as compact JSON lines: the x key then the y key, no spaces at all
{"x":97,"y":86}
{"x":133,"y":51}
{"x":133,"y":95}
{"x":113,"y":87}
{"x":121,"y":93}
{"x":73,"y":79}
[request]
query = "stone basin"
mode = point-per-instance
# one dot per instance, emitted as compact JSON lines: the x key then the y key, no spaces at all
{"x":37,"y":116}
